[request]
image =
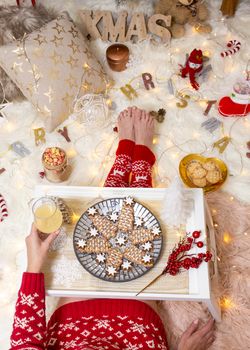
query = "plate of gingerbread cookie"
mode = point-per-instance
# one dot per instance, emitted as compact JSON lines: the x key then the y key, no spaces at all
{"x":206,"y":173}
{"x":117,"y":239}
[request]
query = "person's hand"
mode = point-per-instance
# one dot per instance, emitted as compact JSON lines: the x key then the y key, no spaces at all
{"x":195,"y":338}
{"x":37,"y":249}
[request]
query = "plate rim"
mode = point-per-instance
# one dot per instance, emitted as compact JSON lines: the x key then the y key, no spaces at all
{"x":110,"y":280}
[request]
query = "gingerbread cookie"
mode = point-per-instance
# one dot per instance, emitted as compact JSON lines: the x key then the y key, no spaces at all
{"x":141,"y":235}
{"x":114,"y":258}
{"x":134,"y":254}
{"x":126,"y":219}
{"x":106,"y":227}
{"x":96,"y":245}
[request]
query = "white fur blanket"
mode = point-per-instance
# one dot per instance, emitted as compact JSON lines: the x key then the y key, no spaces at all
{"x":181,"y":133}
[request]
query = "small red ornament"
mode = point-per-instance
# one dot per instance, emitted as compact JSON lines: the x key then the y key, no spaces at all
{"x":196,"y":234}
{"x":200,"y":244}
{"x":115,"y":129}
{"x":41,"y":174}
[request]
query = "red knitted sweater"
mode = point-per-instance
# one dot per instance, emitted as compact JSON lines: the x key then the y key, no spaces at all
{"x":84,"y":325}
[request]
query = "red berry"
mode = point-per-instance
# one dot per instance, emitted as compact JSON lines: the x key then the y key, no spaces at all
{"x":199,"y":244}
{"x":187,"y":261}
{"x":190,"y":239}
{"x":196,"y":234}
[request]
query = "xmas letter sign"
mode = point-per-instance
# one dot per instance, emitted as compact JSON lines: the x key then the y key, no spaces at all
{"x":100,"y":24}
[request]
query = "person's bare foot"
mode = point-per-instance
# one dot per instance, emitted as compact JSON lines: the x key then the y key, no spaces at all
{"x":197,"y":338}
{"x":144,"y":127}
{"x":126,"y":125}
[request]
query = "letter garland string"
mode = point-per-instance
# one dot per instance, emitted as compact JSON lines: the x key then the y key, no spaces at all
{"x":3,"y":209}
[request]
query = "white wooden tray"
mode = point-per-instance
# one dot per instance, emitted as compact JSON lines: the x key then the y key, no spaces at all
{"x":187,"y":285}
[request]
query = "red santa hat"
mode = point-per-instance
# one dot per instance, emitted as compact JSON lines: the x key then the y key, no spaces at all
{"x":195,"y":56}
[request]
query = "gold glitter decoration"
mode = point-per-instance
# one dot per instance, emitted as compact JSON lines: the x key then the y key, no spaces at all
{"x":74,"y":47}
{"x":57,"y":41}
{"x":72,"y":61}
{"x":73,"y":32}
{"x":56,"y":58}
{"x":40,"y":39}
{"x":59,"y":28}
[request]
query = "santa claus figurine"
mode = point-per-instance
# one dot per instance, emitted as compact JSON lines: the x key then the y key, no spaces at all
{"x":193,"y":66}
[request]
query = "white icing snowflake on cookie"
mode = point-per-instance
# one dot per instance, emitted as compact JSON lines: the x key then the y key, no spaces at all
{"x":100,"y":258}
{"x":81,"y":243}
{"x":129,"y":200}
{"x":92,"y":211}
{"x":147,"y":246}
{"x":114,"y":217}
{"x":93,"y":232}
{"x":121,"y":240}
{"x":156,"y":231}
{"x":138,"y":222}
{"x":111,"y":270}
{"x":147,"y":259}
{"x":126,"y":265}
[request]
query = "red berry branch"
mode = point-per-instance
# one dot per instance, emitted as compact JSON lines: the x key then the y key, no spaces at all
{"x":179,"y":258}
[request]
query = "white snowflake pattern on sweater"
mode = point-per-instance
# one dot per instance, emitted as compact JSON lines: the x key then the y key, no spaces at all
{"x":89,"y":332}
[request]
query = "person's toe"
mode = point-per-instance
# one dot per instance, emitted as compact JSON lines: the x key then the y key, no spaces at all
{"x":137,"y":113}
{"x":144,"y":116}
{"x":129,"y":111}
{"x":120,"y":117}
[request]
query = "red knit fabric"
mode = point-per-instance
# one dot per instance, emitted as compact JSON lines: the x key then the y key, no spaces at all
{"x":120,"y":171}
{"x":137,"y":159}
{"x":142,"y":163}
{"x":91,"y":324}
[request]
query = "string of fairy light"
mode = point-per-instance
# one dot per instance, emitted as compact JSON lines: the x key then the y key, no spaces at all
{"x":111,"y":141}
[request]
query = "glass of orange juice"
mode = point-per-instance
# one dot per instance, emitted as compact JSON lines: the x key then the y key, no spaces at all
{"x":47,"y":215}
